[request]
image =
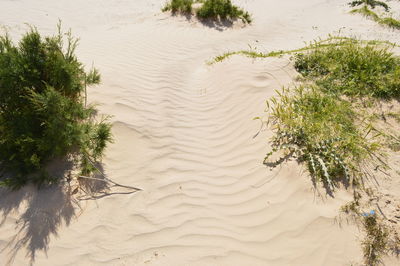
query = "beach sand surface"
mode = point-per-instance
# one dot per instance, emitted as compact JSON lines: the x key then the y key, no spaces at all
{"x":184,"y":133}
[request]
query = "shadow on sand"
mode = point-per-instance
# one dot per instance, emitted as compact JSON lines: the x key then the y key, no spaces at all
{"x":39,"y":213}
{"x":217,"y":24}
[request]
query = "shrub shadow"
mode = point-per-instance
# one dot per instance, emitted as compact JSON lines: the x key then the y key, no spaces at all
{"x":217,"y":24}
{"x":39,"y":212}
{"x":46,"y":210}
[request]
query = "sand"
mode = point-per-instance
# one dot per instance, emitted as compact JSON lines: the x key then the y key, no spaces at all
{"x":184,"y":133}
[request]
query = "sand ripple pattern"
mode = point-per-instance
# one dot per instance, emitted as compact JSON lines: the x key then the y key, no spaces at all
{"x":184,"y":133}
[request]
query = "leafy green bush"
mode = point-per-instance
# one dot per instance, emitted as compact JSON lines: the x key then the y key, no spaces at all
{"x":318,"y":129}
{"x":352,"y":69}
{"x":181,"y":6}
{"x":222,"y":9}
{"x":214,"y":9}
{"x":43,"y":114}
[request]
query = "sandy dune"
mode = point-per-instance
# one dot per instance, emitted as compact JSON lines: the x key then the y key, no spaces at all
{"x":184,"y":133}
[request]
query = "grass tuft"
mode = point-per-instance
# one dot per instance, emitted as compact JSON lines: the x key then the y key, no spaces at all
{"x":390,"y":22}
{"x":210,"y":9}
{"x":352,"y":69}
{"x":222,"y":10}
{"x":370,"y":3}
{"x":375,"y":244}
{"x":178,"y":6}
{"x":385,"y":21}
{"x":318,"y":129}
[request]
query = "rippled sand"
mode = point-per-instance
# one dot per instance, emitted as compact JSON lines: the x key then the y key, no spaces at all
{"x":184,"y":133}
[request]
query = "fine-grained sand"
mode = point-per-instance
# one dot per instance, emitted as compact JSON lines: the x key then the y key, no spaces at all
{"x":184,"y":133}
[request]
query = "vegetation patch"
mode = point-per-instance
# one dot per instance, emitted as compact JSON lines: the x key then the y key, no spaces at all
{"x":179,"y":6}
{"x":366,"y":11}
{"x":375,"y":244}
{"x":332,"y":124}
{"x":326,"y":122}
{"x":370,"y":3}
{"x":352,"y":69}
{"x":209,"y":9}
{"x":332,"y":41}
{"x":359,"y":76}
{"x":43,"y":112}
{"x":320,"y":130}
{"x":322,"y":122}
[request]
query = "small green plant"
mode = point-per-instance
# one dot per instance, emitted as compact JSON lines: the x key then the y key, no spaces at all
{"x":390,"y":22}
{"x":365,"y":11}
{"x":319,"y":129}
{"x":210,"y":9}
{"x":375,"y":243}
{"x":43,"y":114}
{"x":178,"y":6}
{"x":222,"y":9}
{"x":370,"y":3}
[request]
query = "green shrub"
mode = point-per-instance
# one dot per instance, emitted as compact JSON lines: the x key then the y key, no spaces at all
{"x":180,"y":6}
{"x":222,"y":9}
{"x":210,"y":9}
{"x":352,"y":69}
{"x":43,"y":114}
{"x":319,"y":129}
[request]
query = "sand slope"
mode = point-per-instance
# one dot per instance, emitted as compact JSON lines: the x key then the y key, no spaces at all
{"x":184,"y":133}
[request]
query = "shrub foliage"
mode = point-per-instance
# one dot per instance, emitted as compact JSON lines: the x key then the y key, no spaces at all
{"x":222,"y":9}
{"x":353,"y":69}
{"x":43,"y":114}
{"x":180,"y":6}
{"x":320,"y":123}
{"x":318,"y":129}
{"x":366,"y":10}
{"x":210,"y":9}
